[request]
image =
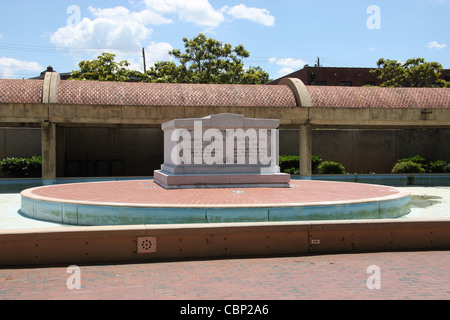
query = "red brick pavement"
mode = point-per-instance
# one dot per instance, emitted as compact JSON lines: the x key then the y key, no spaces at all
{"x":148,"y":192}
{"x":403,"y":275}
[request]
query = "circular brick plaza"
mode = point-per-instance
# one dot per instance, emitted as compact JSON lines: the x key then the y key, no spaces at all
{"x":144,"y":202}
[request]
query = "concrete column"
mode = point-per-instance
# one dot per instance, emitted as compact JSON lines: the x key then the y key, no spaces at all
{"x":50,"y":88}
{"x":48,"y":152}
{"x":305,"y":151}
{"x":60,"y":148}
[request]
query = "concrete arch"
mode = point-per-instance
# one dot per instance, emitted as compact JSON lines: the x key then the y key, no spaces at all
{"x":300,"y":91}
{"x":50,"y":88}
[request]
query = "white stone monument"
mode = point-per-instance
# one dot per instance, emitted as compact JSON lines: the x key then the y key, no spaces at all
{"x":222,"y":150}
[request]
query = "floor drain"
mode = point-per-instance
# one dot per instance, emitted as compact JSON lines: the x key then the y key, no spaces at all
{"x":146,"y":244}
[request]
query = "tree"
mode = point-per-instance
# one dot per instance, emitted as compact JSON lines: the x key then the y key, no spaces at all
{"x":204,"y":61}
{"x":105,"y":68}
{"x":413,"y":73}
{"x":165,"y":72}
{"x":207,"y":61}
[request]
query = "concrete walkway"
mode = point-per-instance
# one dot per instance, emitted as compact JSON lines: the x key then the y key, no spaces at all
{"x":427,"y":202}
{"x":383,"y":275}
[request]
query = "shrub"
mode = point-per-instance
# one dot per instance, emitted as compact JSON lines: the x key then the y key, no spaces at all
{"x":330,"y":167}
{"x":438,"y":166}
{"x":292,"y":171}
{"x":316,"y":161}
{"x":408,"y":167}
{"x":417,"y":159}
{"x":290,"y":163}
{"x":22,"y":167}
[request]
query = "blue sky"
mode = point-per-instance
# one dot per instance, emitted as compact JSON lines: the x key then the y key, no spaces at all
{"x":281,"y":36}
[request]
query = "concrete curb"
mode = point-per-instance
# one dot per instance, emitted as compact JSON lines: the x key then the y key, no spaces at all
{"x":152,"y":243}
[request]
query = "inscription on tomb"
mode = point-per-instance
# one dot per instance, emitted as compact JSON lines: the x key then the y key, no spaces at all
{"x":223,"y":148}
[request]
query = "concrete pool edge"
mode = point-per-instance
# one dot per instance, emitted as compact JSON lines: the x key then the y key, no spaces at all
{"x":70,"y":211}
{"x":121,"y":244}
{"x":98,"y":215}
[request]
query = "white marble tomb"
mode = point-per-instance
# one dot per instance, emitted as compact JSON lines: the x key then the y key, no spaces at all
{"x":222,"y":150}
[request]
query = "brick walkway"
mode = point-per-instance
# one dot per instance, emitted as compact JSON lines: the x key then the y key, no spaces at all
{"x":141,"y":192}
{"x":403,"y":275}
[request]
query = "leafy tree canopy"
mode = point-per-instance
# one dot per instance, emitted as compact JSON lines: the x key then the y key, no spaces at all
{"x":104,"y":68}
{"x":208,"y":61}
{"x":203,"y":61}
{"x":413,"y":73}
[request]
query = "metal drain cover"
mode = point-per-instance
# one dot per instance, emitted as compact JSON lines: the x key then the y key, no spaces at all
{"x":146,"y":244}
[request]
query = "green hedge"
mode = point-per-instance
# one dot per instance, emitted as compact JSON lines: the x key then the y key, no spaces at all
{"x":408,"y":167}
{"x":331,"y":167}
{"x":439,"y":166}
{"x":22,"y":167}
{"x":290,"y":163}
{"x":418,"y":164}
{"x":417,"y":159}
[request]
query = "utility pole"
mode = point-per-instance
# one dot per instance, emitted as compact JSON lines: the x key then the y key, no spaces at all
{"x":318,"y":62}
{"x":143,"y":56}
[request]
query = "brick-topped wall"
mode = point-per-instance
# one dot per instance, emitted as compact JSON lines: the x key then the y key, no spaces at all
{"x":377,"y":97}
{"x":221,"y":95}
{"x":21,"y":91}
{"x":158,"y":94}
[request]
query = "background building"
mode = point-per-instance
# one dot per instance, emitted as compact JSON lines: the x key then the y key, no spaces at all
{"x":334,"y":76}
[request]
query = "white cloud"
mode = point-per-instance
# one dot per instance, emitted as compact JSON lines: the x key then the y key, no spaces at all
{"x":435,"y":45}
{"x":257,"y":15}
{"x":158,"y":52}
{"x":288,"y":62}
{"x":153,"y":52}
{"x":1,"y":36}
{"x":199,"y":12}
{"x":289,"y":65}
{"x":284,"y":71}
{"x":13,"y":68}
{"x":119,"y":27}
{"x":125,"y":32}
{"x":115,"y":28}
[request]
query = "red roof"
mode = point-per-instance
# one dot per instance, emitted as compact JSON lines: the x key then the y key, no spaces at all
{"x":21,"y":91}
{"x":213,"y":95}
{"x":162,"y":94}
{"x":379,"y":97}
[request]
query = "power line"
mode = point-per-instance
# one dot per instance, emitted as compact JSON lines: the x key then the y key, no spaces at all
{"x":49,"y":49}
{"x":258,"y":60}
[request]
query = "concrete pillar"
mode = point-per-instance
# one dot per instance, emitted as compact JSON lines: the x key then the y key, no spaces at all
{"x":305,"y":151}
{"x":49,"y":95}
{"x":50,"y":88}
{"x":48,"y":152}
